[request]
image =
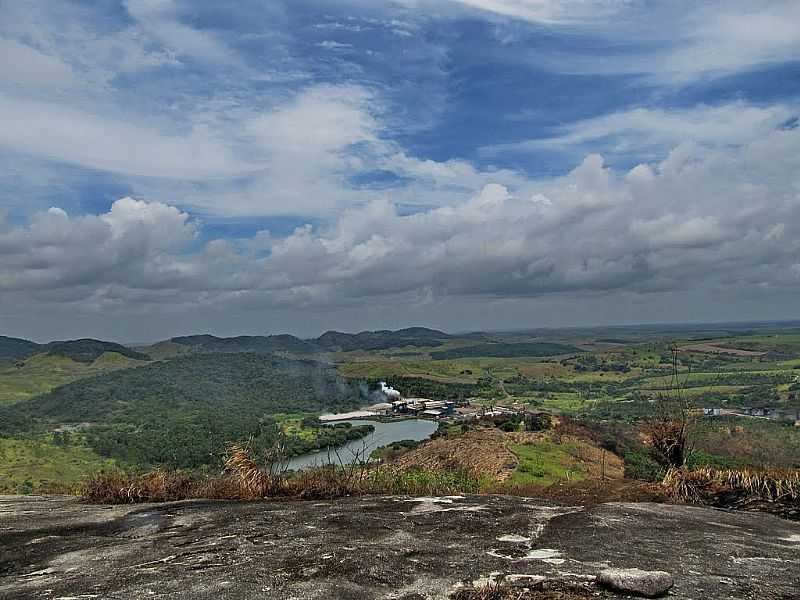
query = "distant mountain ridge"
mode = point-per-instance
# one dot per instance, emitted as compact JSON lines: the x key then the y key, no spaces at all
{"x":17,"y":347}
{"x":330,"y":341}
{"x":84,"y":350}
{"x":381,"y":339}
{"x":246,"y":343}
{"x":88,"y":350}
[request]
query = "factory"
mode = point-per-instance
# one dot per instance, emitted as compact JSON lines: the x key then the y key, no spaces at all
{"x":420,"y":407}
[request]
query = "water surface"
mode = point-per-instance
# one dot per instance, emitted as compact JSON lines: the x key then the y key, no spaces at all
{"x":385,"y":433}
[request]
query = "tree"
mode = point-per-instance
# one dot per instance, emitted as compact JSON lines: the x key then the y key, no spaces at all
{"x":669,"y":428}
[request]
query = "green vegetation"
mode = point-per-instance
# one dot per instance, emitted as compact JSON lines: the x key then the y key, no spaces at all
{"x":45,"y":462}
{"x":182,"y":413}
{"x":335,"y":341}
{"x":395,"y":449}
{"x":749,"y":442}
{"x":226,"y":385}
{"x":202,"y":393}
{"x":640,"y":464}
{"x":16,"y":347}
{"x":165,"y":350}
{"x":87,"y":350}
{"x":245,"y":343}
{"x":506,"y":350}
{"x":545,"y":463}
{"x":20,"y":380}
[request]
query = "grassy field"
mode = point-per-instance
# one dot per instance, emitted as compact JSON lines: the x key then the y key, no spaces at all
{"x":31,"y":465}
{"x":41,"y":373}
{"x":545,"y":463}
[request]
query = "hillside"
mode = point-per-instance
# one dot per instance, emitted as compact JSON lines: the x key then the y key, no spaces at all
{"x":336,"y":341}
{"x":331,"y":341}
{"x":184,"y":411}
{"x":16,"y":347}
{"x":494,"y":350}
{"x":245,"y":343}
{"x":88,"y":350}
{"x":40,"y":373}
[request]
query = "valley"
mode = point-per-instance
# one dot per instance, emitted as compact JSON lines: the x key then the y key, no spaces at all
{"x":71,"y":409}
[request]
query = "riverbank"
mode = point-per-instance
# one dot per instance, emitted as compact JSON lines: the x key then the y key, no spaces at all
{"x":385,"y":432}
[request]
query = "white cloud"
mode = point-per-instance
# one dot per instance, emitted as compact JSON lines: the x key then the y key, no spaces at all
{"x":701,"y":219}
{"x":160,"y":19}
{"x":729,"y":37}
{"x":640,"y":130}
{"x":321,"y":119}
{"x":547,"y":11}
{"x":130,"y":243}
{"x":26,"y":66}
{"x":334,"y":45}
{"x":52,"y":131}
{"x":671,"y":43}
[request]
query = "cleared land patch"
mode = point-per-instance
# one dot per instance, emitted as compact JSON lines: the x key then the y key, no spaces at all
{"x":714,"y":349}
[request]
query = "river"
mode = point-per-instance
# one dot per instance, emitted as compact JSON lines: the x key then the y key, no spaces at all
{"x":385,"y":433}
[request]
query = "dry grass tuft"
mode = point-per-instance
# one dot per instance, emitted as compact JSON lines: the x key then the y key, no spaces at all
{"x":252,"y":480}
{"x":548,"y":590}
{"x":156,"y":486}
{"x":246,"y":479}
{"x":703,"y":485}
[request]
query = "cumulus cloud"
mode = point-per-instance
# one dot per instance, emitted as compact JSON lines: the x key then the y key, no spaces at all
{"x":699,"y":219}
{"x":131,"y":243}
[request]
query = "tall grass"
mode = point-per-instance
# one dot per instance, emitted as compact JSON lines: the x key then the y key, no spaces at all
{"x":245,"y":478}
{"x":158,"y":486}
{"x":702,"y":484}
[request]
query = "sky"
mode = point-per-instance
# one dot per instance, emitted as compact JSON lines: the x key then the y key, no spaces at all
{"x":266,"y":166}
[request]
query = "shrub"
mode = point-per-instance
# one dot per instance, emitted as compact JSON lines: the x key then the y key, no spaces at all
{"x":639,"y":464}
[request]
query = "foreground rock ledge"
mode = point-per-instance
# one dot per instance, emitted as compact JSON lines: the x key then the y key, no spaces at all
{"x":387,"y":547}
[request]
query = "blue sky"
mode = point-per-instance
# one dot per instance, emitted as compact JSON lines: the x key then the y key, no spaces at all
{"x":238,"y":167}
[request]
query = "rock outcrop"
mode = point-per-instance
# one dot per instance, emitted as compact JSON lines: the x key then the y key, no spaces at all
{"x":387,"y":547}
{"x":650,"y":584}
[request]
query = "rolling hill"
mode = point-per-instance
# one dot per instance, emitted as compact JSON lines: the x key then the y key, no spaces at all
{"x":89,"y":350}
{"x":17,"y":348}
{"x":336,"y":341}
{"x":40,"y":373}
{"x":246,"y":343}
{"x":182,"y":412}
{"x":330,"y":341}
{"x":514,"y":350}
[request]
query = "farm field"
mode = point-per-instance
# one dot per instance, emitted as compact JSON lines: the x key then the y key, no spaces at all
{"x":625,"y":373}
